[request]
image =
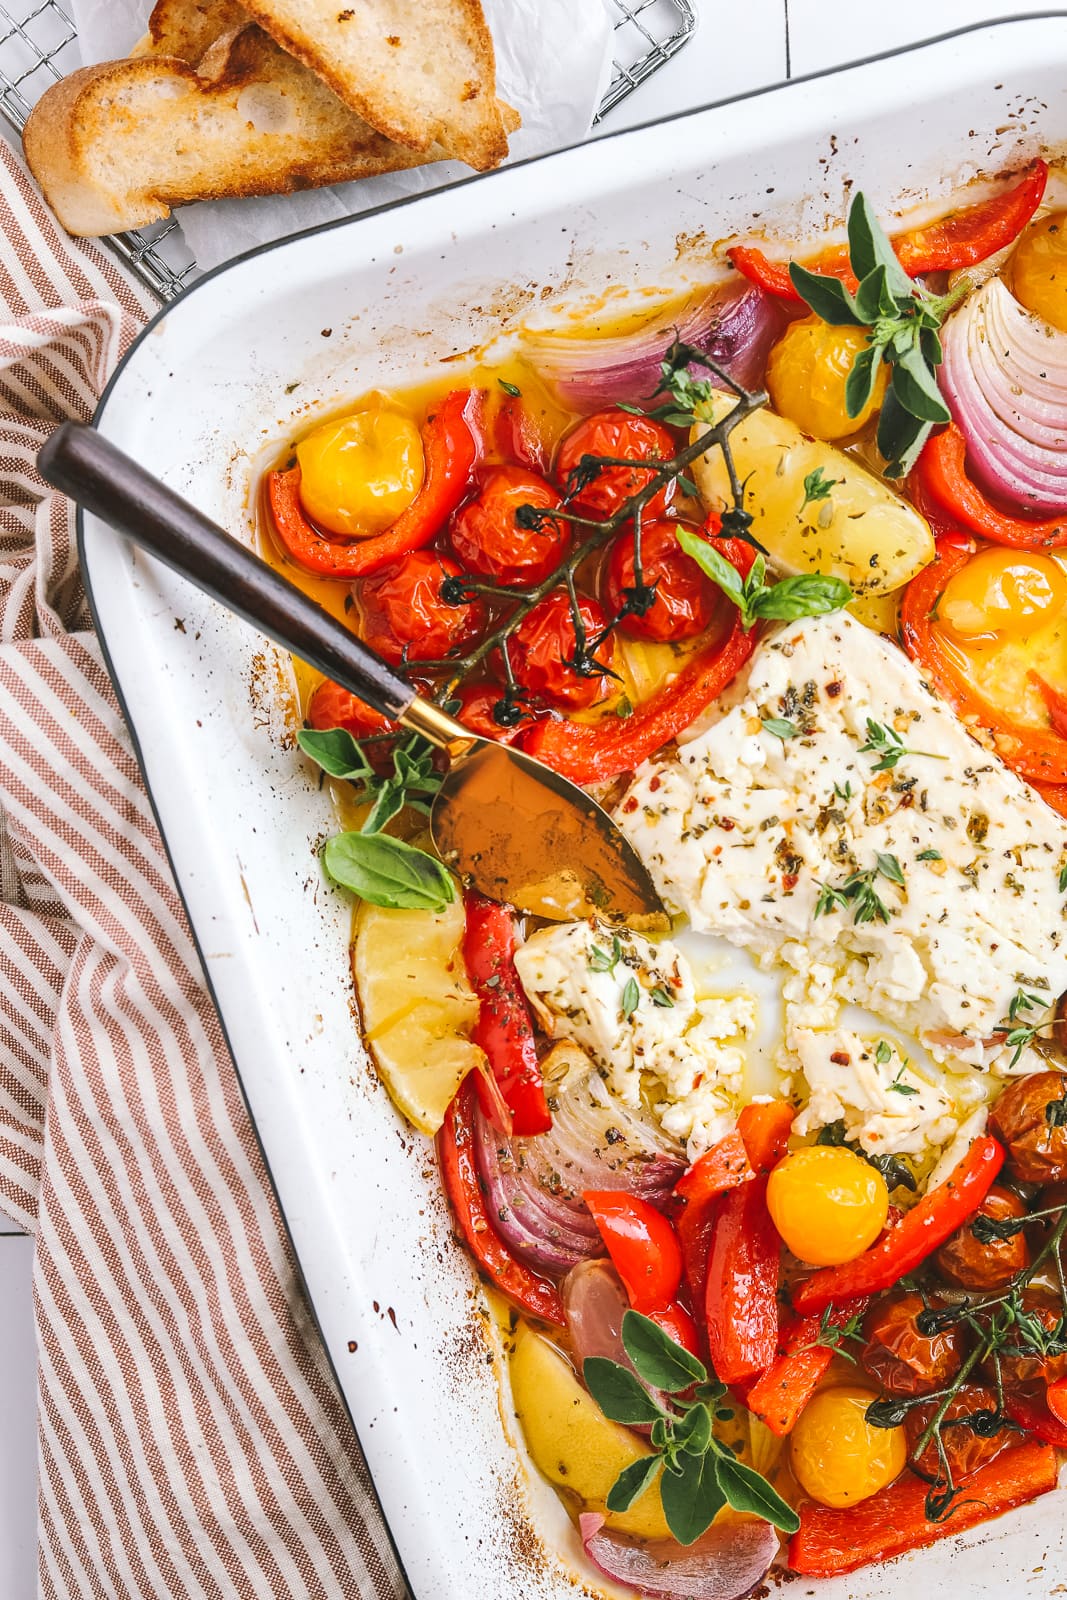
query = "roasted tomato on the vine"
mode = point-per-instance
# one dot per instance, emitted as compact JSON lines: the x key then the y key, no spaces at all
{"x":1033,"y":1348}
{"x":616,"y":433}
{"x":331,"y":706}
{"x":903,"y":1360}
{"x":477,"y":704}
{"x":686,"y":600}
{"x":1030,"y":1118}
{"x":404,"y":615}
{"x":544,"y":642}
{"x":970,"y":1433}
{"x":973,"y":1263}
{"x":488,"y":540}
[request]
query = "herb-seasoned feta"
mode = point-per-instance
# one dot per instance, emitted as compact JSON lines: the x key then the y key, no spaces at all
{"x":631,"y":1005}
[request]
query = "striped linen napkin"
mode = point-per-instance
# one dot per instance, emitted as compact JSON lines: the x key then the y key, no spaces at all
{"x":191,"y":1442}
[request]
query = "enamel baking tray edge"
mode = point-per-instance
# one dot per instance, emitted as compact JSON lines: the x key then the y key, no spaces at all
{"x":215,"y":387}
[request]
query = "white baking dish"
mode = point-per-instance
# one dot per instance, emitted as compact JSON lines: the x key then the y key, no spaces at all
{"x":226,"y":375}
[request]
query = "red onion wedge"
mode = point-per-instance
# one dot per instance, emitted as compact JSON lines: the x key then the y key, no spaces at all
{"x":534,"y":1186}
{"x":1004,"y":377}
{"x":595,"y":1302}
{"x":726,"y":1563}
{"x":736,"y":327}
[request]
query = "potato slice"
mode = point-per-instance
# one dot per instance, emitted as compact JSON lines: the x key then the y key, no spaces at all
{"x":861,"y":532}
{"x":417,"y":1005}
{"x":572,"y":1442}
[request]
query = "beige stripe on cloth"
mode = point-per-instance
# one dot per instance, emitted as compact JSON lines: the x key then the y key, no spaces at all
{"x":192,"y":1444}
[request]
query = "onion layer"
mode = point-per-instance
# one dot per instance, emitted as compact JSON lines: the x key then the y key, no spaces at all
{"x":534,"y":1186}
{"x":726,"y":1563}
{"x":1004,"y":377}
{"x":735,"y":327}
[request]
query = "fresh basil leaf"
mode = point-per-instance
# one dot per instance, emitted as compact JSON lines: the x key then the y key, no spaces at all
{"x":807,"y":595}
{"x":618,"y":1393}
{"x":388,"y":872}
{"x":827,"y":297}
{"x":718,"y":569}
{"x":336,"y":752}
{"x":691,"y":1496}
{"x":869,"y":248}
{"x":873,"y":298}
{"x":916,"y":388}
{"x":631,"y":1483}
{"x":747,"y":1490}
{"x":692,"y":1432}
{"x":859,"y":385}
{"x":658,"y":1359}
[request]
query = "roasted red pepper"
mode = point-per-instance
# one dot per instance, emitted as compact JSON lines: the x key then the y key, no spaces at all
{"x":741,"y":1294}
{"x":678,"y":1325}
{"x":722,"y":1167}
{"x":517,"y":437}
{"x":919,"y":1232}
{"x":780,"y":1394}
{"x":959,"y":240}
{"x":450,"y":442}
{"x":1037,"y":1412}
{"x":894,"y":1520}
{"x":459,"y":1172}
{"x":940,"y":478}
{"x":504,"y":1029}
{"x":642,"y":1244}
{"x":765,"y":1126}
{"x":1037,"y":754}
{"x":1056,"y":1400}
{"x":593,"y":752}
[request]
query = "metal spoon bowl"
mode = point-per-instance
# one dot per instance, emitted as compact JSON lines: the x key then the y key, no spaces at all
{"x":504,"y":822}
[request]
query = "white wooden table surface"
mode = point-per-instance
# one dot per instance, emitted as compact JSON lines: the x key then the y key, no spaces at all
{"x":736,"y":48}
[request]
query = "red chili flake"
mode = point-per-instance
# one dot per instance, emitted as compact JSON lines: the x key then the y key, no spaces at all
{"x":654,"y":782}
{"x":841,"y":1058}
{"x":834,"y":689}
{"x":630,"y":805}
{"x":789,"y":881}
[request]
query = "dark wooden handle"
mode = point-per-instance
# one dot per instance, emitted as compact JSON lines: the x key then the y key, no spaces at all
{"x":84,"y":465}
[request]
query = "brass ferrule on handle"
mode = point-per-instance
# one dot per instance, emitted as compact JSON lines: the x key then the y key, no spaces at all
{"x":422,"y":716}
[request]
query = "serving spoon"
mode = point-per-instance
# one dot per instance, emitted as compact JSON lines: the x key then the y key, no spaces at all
{"x":503,"y":821}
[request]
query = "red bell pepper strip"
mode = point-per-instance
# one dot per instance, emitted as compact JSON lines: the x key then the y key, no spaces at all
{"x":1056,"y":1400}
{"x":894,"y":1520}
{"x":941,"y":474}
{"x":642,"y":1244}
{"x":741,"y":1294}
{"x":974,"y":233}
{"x":678,"y":1325}
{"x":1034,"y":1412}
{"x":722,"y":1167}
{"x":1036,"y":754}
{"x":517,"y":437}
{"x":919,"y":1232}
{"x":959,"y":240}
{"x":593,"y":752}
{"x":459,"y":1171}
{"x":780,"y":1394}
{"x":504,"y":1029}
{"x":695,"y":1227}
{"x":1053,"y":794}
{"x":765,"y":1126}
{"x":450,"y":442}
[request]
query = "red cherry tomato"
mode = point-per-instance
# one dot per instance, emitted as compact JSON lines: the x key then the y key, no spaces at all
{"x":542,"y":642}
{"x":1056,"y":1397}
{"x":488,"y":540}
{"x":477,"y":702}
{"x":402,"y":607}
{"x":331,"y":706}
{"x":643,"y":1247}
{"x":678,"y":1325}
{"x":616,"y":433}
{"x":686,"y":600}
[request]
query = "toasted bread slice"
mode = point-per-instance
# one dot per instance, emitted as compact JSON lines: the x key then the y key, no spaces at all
{"x":419,"y":73}
{"x":116,"y":146}
{"x":187,"y":28}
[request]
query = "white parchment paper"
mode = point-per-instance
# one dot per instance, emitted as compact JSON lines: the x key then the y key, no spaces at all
{"x":553,"y":60}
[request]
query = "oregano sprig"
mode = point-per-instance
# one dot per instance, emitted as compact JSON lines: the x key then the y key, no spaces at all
{"x":902,"y":320}
{"x":699,"y":1473}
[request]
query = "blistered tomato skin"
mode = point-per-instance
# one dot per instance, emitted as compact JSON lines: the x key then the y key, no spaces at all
{"x":899,"y":1358}
{"x":1030,"y":1119}
{"x":404,"y":617}
{"x":615,"y":433}
{"x":488,"y":540}
{"x":837,"y":1456}
{"x":686,"y":600}
{"x":966,"y":1447}
{"x":359,"y":473}
{"x":828,"y":1204}
{"x":541,"y":646}
{"x":331,"y":706}
{"x":1002,"y":593}
{"x":1039,"y":269}
{"x":979,"y":1265}
{"x":806,"y":374}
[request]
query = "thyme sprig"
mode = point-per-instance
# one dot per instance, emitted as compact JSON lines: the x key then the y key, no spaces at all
{"x":885,"y":743}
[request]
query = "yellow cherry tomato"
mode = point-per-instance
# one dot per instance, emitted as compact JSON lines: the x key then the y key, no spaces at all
{"x":1003,"y":593}
{"x":806,"y":374}
{"x":359,"y":473}
{"x":1039,"y":269}
{"x":828,"y":1204}
{"x":837,"y":1457}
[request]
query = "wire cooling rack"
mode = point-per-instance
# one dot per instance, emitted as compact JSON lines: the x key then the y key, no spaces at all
{"x":39,"y":44}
